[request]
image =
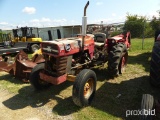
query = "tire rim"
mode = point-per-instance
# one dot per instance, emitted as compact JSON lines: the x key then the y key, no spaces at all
{"x":88,"y":88}
{"x":123,"y":63}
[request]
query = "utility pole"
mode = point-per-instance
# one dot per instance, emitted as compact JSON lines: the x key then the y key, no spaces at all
{"x":143,"y":35}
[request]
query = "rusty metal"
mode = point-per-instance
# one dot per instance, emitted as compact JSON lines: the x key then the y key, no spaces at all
{"x":1,"y":59}
{"x":22,"y":66}
{"x":51,"y":79}
{"x":56,"y":65}
{"x":85,"y":8}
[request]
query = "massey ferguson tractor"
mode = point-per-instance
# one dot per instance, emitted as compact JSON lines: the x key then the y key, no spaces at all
{"x":72,"y":59}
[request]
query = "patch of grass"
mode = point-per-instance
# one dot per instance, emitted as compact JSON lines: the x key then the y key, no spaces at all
{"x":113,"y":96}
{"x":10,"y":83}
{"x":141,"y":46}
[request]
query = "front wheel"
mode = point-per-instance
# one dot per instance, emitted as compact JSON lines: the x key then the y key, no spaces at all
{"x":84,"y":88}
{"x":35,"y":78}
{"x":147,"y":105}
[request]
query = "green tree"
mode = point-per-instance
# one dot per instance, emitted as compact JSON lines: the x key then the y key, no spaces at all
{"x":135,"y":24}
{"x":148,"y":31}
{"x":155,"y":22}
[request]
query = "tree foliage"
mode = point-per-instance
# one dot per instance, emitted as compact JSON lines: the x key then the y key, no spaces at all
{"x":148,"y":31}
{"x":135,"y":24}
{"x":155,"y":23}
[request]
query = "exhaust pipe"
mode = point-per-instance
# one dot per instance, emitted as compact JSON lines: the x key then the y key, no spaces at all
{"x":84,"y":25}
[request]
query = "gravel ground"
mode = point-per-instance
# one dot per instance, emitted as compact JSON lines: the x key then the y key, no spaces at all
{"x":13,"y":107}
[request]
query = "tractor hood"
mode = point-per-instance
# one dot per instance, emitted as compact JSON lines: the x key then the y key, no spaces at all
{"x":66,"y":46}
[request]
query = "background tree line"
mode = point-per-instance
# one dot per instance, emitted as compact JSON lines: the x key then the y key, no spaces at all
{"x":140,"y":26}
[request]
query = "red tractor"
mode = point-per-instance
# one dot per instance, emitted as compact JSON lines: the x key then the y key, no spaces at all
{"x":72,"y":59}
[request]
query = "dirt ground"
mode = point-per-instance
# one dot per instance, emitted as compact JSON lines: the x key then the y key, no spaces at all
{"x":25,"y":113}
{"x":27,"y":104}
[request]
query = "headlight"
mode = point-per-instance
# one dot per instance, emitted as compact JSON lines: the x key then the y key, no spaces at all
{"x":67,"y":47}
{"x":113,"y":41}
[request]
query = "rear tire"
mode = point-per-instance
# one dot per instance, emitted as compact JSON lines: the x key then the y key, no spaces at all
{"x":84,"y":88}
{"x":117,"y":59}
{"x":34,"y":48}
{"x":147,"y":103}
{"x":35,"y":78}
{"x":155,"y":65}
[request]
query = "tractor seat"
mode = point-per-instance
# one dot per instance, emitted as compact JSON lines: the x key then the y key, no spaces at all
{"x":98,"y":44}
{"x":99,"y":39}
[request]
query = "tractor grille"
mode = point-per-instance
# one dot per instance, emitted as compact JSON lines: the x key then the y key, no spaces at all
{"x":56,"y":66}
{"x":50,"y":48}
